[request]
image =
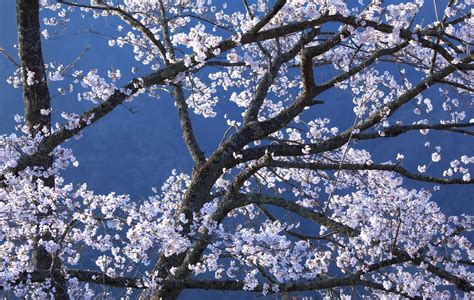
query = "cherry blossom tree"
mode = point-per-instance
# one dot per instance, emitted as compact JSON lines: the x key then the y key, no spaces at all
{"x":288,"y":201}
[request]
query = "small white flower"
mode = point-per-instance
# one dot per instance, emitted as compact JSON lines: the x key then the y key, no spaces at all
{"x":306,"y":149}
{"x":466,"y":177}
{"x":45,"y":112}
{"x":422,"y":169}
{"x":435,"y":157}
{"x":45,"y":33}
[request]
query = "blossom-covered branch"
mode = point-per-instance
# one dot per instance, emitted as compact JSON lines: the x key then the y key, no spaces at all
{"x":291,"y":199}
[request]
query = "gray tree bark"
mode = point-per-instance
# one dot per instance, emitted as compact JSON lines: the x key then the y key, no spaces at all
{"x":36,"y":98}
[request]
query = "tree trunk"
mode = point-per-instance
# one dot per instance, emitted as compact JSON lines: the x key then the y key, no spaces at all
{"x":36,"y":98}
{"x":35,"y":88}
{"x":164,"y":295}
{"x":162,"y":268}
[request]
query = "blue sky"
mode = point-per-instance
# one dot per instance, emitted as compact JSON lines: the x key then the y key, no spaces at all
{"x":132,"y":152}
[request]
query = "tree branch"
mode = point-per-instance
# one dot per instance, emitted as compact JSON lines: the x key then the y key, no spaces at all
{"x":127,"y":17}
{"x":253,"y":109}
{"x":361,"y":167}
{"x":397,"y":130}
{"x":335,"y":142}
{"x":178,"y":94}
{"x":247,"y":199}
{"x":268,"y":17}
{"x":337,"y":227}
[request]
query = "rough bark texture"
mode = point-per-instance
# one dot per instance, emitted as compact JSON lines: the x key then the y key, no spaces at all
{"x":36,"y":98}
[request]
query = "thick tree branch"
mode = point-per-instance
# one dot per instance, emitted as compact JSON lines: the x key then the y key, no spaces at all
{"x":251,"y":114}
{"x":186,"y":126}
{"x":268,"y":17}
{"x":101,"y":278}
{"x":314,"y":285}
{"x":89,"y":276}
